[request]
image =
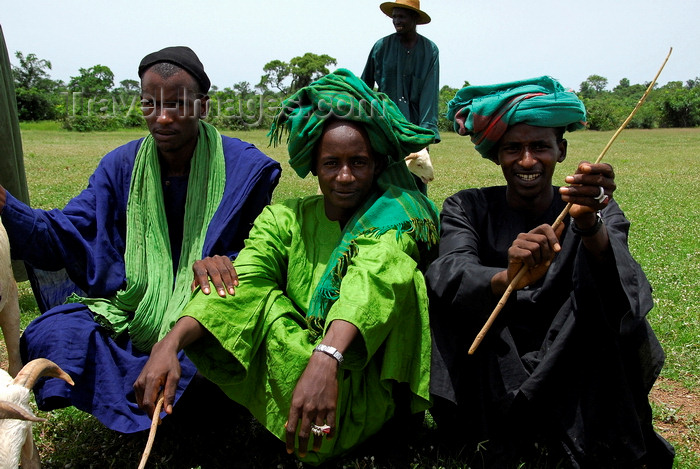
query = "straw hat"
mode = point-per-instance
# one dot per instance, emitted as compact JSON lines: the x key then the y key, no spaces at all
{"x":388,"y":8}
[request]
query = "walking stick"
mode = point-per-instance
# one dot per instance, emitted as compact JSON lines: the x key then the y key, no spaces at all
{"x":559,"y":220}
{"x":152,"y":432}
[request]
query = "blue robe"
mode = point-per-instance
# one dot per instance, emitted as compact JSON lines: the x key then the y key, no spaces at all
{"x":87,"y":239}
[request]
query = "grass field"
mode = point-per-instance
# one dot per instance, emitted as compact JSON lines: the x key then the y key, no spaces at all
{"x":658,"y":188}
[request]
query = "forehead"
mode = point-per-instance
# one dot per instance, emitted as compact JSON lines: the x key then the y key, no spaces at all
{"x":177,"y":84}
{"x":339,"y":134}
{"x":528,"y":133}
{"x":398,"y":11}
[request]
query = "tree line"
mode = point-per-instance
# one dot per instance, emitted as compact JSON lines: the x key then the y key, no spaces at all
{"x":91,"y":101}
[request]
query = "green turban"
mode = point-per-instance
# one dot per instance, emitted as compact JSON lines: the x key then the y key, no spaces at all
{"x":396,"y":204}
{"x":344,"y":96}
{"x":486,"y":112}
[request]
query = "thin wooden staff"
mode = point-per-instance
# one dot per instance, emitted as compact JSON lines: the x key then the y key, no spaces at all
{"x":152,"y":432}
{"x":523,"y":270}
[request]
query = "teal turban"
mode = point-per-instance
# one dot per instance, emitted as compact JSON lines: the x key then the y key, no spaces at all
{"x":344,"y":96}
{"x":486,"y":112}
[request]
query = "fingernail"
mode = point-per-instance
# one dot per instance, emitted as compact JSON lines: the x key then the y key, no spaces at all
{"x":205,"y":290}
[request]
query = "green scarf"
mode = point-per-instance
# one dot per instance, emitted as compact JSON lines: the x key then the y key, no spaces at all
{"x":486,"y":112}
{"x":397,"y":205}
{"x":153,"y":299}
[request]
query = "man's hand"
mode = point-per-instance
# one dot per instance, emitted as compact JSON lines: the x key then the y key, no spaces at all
{"x":535,"y":250}
{"x":221,"y":272}
{"x":162,"y":371}
{"x":314,"y":401}
{"x":584,"y":191}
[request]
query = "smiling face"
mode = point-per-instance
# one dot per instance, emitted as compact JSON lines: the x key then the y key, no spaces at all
{"x":528,"y":155}
{"x":404,"y":20}
{"x":172,"y":107}
{"x":346,"y":169}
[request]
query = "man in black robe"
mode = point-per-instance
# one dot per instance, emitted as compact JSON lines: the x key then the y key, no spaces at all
{"x":565,"y":371}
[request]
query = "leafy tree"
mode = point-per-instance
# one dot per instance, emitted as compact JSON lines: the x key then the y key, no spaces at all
{"x":693,"y":83}
{"x":680,"y":107}
{"x":594,"y":84}
{"x":35,"y":91}
{"x":276,"y":72}
{"x":93,"y":82}
{"x":309,"y":67}
{"x":301,"y":70}
{"x":445,"y":95}
{"x":130,"y":86}
{"x":32,"y":73}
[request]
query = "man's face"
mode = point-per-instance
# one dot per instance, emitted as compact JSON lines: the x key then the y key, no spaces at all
{"x":404,"y":20}
{"x":528,"y":155}
{"x":346,"y":169}
{"x":172,"y":109}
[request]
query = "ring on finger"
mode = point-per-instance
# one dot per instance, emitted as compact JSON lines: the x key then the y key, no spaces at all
{"x":601,"y":197}
{"x":320,"y":430}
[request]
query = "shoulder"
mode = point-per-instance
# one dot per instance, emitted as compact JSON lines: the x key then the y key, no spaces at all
{"x":385,"y":41}
{"x":235,"y":147}
{"x":475,"y":199}
{"x":296,"y":208}
{"x":120,"y":161}
{"x":126,"y":152}
{"x":428,"y":44}
{"x":244,"y":160}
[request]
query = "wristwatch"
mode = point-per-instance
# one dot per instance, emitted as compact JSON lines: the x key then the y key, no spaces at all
{"x":589,"y":231}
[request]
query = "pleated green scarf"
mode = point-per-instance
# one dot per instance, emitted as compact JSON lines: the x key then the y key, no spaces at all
{"x":153,"y":299}
{"x":397,"y":205}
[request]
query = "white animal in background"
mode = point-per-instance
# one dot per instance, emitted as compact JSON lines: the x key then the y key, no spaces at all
{"x":15,"y":415}
{"x":9,"y":305}
{"x":420,"y":164}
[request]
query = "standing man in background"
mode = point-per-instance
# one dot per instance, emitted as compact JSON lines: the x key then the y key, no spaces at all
{"x":406,"y":66}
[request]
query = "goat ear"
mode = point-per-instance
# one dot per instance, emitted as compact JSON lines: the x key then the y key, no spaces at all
{"x":9,"y":410}
{"x":412,"y":156}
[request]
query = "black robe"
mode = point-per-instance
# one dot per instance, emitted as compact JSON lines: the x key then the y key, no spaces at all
{"x":569,"y":362}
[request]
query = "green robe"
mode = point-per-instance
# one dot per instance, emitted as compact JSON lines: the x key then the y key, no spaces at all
{"x":410,"y":77}
{"x":260,"y":343}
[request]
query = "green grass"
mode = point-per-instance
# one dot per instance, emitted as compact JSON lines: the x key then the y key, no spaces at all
{"x":658,"y":188}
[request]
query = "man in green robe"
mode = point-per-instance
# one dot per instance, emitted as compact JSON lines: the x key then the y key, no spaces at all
{"x":406,"y":65}
{"x":328,"y":327}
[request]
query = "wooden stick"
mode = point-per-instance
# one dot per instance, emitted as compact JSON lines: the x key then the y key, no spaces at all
{"x":502,"y":302}
{"x":152,"y":432}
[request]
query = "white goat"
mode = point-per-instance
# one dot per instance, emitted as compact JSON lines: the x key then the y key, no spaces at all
{"x":9,"y":305}
{"x":420,"y":164}
{"x":15,"y":416}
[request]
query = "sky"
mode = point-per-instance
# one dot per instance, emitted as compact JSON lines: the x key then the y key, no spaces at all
{"x":483,"y":42}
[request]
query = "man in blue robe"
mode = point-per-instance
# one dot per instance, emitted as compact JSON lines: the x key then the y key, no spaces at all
{"x":129,"y":241}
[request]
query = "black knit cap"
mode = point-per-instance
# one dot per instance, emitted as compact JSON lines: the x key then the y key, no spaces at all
{"x":183,"y":57}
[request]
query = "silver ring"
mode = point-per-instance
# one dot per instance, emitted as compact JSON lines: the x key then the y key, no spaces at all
{"x":601,"y":197}
{"x":320,"y":430}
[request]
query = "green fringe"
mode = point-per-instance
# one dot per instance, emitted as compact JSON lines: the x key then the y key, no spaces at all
{"x":422,"y":230}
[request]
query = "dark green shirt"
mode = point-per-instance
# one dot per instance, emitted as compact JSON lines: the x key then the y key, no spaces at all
{"x":410,"y":77}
